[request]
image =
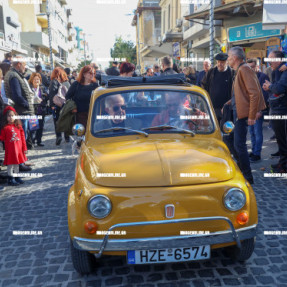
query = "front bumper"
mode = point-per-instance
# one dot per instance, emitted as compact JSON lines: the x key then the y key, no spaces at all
{"x":219,"y":237}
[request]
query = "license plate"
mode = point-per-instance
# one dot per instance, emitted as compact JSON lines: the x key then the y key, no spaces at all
{"x":168,"y":255}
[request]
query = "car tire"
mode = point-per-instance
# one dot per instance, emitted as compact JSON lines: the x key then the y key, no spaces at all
{"x":83,"y":261}
{"x":243,"y":254}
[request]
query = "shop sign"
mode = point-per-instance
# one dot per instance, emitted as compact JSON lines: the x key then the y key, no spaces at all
{"x":176,"y":49}
{"x":251,"y":31}
{"x":272,"y":44}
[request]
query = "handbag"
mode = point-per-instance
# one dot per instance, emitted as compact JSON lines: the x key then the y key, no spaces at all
{"x":33,"y":124}
{"x":60,"y":98}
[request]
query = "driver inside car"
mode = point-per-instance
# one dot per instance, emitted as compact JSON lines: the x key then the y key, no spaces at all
{"x":115,"y":107}
{"x":175,"y":109}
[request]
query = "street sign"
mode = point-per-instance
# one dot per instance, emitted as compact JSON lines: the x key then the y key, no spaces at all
{"x":251,"y":31}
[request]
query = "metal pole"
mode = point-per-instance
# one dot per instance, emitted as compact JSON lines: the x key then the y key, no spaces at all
{"x":85,"y":47}
{"x":138,"y":26}
{"x":211,"y":32}
{"x":49,"y":33}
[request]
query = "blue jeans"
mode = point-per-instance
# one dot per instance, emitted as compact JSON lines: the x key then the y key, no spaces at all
{"x":25,"y":127}
{"x":240,"y":136}
{"x":256,"y":133}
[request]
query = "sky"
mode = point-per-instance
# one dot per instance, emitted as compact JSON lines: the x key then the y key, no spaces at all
{"x":102,"y":21}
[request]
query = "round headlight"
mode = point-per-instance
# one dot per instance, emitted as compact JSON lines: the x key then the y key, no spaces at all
{"x":234,"y":199}
{"x":100,"y":206}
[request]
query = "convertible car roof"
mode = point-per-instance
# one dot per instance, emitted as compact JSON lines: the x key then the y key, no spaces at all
{"x":116,"y":81}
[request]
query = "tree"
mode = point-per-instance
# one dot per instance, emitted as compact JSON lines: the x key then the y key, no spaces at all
{"x":82,"y":64}
{"x":124,"y":49}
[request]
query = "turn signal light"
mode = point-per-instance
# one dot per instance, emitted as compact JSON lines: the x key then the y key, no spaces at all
{"x":242,"y":218}
{"x":82,"y":162}
{"x":91,"y":227}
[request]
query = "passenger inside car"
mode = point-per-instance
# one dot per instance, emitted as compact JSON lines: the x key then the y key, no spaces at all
{"x":180,"y":113}
{"x":116,"y":115}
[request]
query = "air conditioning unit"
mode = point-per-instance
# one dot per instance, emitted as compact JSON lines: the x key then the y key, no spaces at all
{"x":178,"y":23}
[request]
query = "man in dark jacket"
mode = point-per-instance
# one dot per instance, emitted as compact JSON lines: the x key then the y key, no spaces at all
{"x":278,"y":107}
{"x":218,"y":83}
{"x":8,"y":58}
{"x":45,"y":80}
{"x":201,"y":74}
{"x":113,"y":71}
{"x":18,"y":90}
{"x":256,"y":131}
{"x":167,"y":66}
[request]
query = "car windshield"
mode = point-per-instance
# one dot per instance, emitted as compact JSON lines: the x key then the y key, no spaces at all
{"x":151,"y":111}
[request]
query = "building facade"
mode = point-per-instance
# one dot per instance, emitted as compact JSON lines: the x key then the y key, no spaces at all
{"x":147,"y":21}
{"x":10,"y":28}
{"x":34,"y":34}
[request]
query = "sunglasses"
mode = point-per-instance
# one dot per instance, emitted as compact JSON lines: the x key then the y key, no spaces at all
{"x":117,"y":108}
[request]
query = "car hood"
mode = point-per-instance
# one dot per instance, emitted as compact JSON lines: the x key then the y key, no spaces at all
{"x":158,"y":163}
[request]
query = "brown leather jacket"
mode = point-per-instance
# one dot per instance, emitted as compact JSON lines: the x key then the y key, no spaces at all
{"x":248,"y":94}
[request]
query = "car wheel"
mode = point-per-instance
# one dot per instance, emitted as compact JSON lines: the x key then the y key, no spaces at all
{"x":247,"y":248}
{"x":83,"y":261}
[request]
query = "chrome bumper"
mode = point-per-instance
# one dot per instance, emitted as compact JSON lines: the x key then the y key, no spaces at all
{"x":218,"y":237}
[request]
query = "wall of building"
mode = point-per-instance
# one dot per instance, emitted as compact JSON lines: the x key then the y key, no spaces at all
{"x":26,"y":14}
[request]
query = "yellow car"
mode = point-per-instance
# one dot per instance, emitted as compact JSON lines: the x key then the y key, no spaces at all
{"x":154,"y":180}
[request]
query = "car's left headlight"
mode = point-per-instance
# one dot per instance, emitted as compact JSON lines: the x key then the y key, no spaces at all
{"x":234,"y":199}
{"x":99,"y":206}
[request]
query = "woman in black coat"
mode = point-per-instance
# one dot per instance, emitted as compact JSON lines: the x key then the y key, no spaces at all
{"x":81,"y":91}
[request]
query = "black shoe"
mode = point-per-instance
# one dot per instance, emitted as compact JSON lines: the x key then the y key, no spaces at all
{"x":273,"y":137}
{"x":255,"y":158}
{"x":276,"y":154}
{"x":67,"y":140}
{"x":251,"y":154}
{"x":19,"y":180}
{"x":30,"y":146}
{"x":12,"y":181}
{"x":23,"y":167}
{"x":40,"y":144}
{"x":58,"y":141}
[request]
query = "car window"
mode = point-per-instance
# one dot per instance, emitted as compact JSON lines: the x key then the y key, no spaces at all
{"x":141,"y":109}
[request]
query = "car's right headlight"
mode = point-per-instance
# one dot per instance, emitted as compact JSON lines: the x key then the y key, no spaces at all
{"x":234,"y":199}
{"x":99,"y":206}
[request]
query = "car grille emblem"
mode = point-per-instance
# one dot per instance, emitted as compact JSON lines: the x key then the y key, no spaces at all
{"x":169,"y":211}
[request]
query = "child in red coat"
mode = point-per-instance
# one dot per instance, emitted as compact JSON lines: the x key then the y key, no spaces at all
{"x":15,"y":144}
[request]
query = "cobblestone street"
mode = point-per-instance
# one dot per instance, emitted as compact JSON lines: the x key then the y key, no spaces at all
{"x":44,"y":260}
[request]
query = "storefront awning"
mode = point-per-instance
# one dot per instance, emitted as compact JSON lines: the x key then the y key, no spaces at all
{"x":234,"y":9}
{"x":274,"y":16}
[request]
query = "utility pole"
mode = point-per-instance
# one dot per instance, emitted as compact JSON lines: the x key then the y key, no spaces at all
{"x":138,"y":26}
{"x":211,"y":32}
{"x":49,"y":33}
{"x":85,"y":48}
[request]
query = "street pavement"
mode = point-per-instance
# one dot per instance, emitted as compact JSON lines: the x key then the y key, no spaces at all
{"x":44,"y":260}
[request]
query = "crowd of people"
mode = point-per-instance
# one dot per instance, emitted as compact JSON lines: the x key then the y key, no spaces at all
{"x":238,"y":90}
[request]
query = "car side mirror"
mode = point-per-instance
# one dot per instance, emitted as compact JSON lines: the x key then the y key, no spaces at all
{"x":228,"y":127}
{"x":78,"y":130}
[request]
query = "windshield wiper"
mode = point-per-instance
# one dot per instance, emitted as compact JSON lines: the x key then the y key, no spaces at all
{"x":122,"y":128}
{"x":162,"y":127}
